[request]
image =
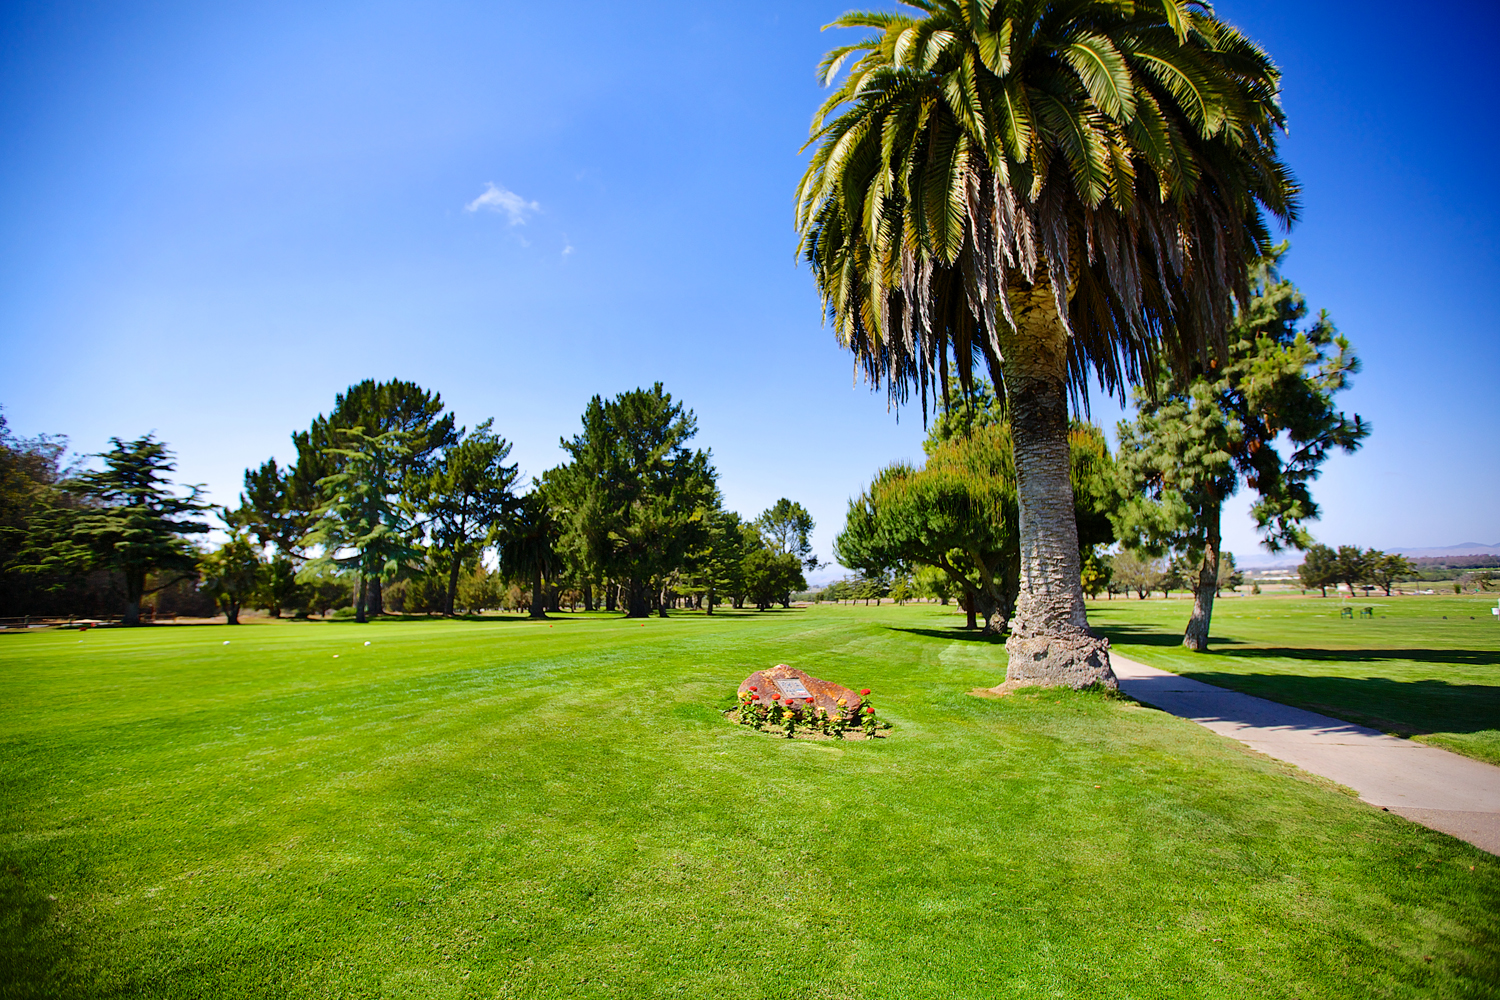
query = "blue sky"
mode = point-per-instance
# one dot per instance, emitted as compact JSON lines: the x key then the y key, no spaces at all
{"x":213,"y":217}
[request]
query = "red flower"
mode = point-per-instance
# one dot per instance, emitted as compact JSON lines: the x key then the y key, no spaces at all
{"x":754,"y":688}
{"x":809,"y":701}
{"x":775,"y":697}
{"x":871,"y":711}
{"x":865,"y":691}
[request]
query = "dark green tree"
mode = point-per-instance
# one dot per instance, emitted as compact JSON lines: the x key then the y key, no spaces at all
{"x":276,"y":507}
{"x":232,"y":574}
{"x":363,"y":524}
{"x":1320,"y":567}
{"x":958,"y":513}
{"x":1229,"y":574}
{"x":375,"y":408}
{"x":639,"y":499}
{"x":464,"y":496}
{"x":31,"y":472}
{"x":787,"y":527}
{"x":771,"y":575}
{"x":963,"y":411}
{"x":1353,"y":567}
{"x":1388,"y":569}
{"x":1205,"y":430}
{"x":128,"y":520}
{"x":528,"y":547}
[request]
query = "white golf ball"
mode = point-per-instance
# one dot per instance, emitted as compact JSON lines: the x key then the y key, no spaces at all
{"x":367,"y":642}
{"x":335,"y":656}
{"x":226,"y":642}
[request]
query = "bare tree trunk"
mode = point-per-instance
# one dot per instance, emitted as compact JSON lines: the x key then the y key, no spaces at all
{"x":538,"y":595}
{"x":452,"y":594}
{"x":375,"y":603}
{"x":588,"y":595}
{"x":1196,"y":636}
{"x":232,"y":612}
{"x":636,"y":596}
{"x":359,"y":599}
{"x":1050,"y":641}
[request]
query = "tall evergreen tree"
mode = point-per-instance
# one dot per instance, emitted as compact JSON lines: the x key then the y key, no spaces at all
{"x":640,"y":498}
{"x":375,"y":408}
{"x":276,"y":507}
{"x":787,"y":528}
{"x":128,"y":520}
{"x":1207,"y":429}
{"x":364,"y":525}
{"x":528,"y":547}
{"x":464,"y":497}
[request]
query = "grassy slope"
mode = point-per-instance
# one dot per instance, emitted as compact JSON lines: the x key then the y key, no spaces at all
{"x":1409,"y":670}
{"x":506,"y":809}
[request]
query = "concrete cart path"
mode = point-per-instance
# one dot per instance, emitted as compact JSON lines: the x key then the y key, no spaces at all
{"x":1441,"y":790}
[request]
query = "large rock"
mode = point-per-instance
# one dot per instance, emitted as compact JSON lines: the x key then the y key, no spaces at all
{"x":825,"y":694}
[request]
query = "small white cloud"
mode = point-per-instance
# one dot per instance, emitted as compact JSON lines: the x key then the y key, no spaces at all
{"x":498,"y":199}
{"x":567,"y":245}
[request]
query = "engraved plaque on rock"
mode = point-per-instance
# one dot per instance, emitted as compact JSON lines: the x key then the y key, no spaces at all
{"x":791,"y":687}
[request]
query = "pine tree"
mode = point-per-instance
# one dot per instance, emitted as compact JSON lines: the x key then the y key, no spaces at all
{"x":1206,"y":429}
{"x":129,"y":520}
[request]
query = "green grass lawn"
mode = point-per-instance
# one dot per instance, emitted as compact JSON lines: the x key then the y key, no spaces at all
{"x":1426,"y":667}
{"x":507,"y":809}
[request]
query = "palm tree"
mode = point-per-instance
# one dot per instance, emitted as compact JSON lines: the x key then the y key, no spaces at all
{"x":1057,"y":190}
{"x":528,"y":547}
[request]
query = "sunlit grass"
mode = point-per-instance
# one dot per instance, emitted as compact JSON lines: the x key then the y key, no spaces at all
{"x":505,"y":808}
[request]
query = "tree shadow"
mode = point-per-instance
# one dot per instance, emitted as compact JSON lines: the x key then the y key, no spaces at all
{"x":961,"y":634}
{"x":1406,"y":708}
{"x":1452,"y":657}
{"x":1145,"y":635}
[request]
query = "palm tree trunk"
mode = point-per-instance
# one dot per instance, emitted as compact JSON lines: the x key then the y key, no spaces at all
{"x":1196,"y":636}
{"x":1050,"y":641}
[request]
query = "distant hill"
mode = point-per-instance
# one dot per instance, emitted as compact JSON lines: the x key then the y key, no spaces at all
{"x":1463,"y":555}
{"x":1448,"y":551}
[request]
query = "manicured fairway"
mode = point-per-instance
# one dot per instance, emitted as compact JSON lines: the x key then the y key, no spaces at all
{"x":1426,"y":667}
{"x":504,"y":809}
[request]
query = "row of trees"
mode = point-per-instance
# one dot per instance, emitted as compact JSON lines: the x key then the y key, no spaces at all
{"x":1323,"y":567}
{"x":386,"y":490}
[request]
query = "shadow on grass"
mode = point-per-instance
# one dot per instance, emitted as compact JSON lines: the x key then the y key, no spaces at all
{"x":960,"y":633}
{"x":1468,"y":657}
{"x":1145,"y":635}
{"x":1406,"y":708}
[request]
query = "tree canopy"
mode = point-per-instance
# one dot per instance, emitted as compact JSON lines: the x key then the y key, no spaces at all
{"x":1051,"y":189}
{"x":128,"y":520}
{"x":1204,"y":430}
